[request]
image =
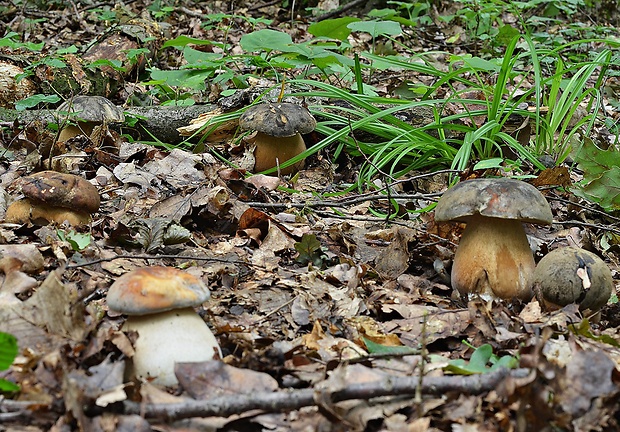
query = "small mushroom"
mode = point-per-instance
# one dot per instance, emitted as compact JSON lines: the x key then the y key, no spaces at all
{"x":54,"y":197}
{"x":573,"y":275}
{"x":279,"y":127}
{"x":88,"y":112}
{"x":493,"y":256}
{"x":159,"y":304}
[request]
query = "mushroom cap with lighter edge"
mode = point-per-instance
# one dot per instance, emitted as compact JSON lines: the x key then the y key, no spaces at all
{"x":278,"y":119}
{"x":493,"y":256}
{"x":149,"y":290}
{"x":495,"y":198}
{"x":93,"y":109}
{"x":573,"y":275}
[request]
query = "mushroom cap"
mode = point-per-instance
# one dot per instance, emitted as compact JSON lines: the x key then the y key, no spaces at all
{"x":62,"y":190}
{"x":573,"y":275}
{"x":278,"y":119}
{"x":93,"y":109}
{"x":498,"y":198}
{"x":149,"y":290}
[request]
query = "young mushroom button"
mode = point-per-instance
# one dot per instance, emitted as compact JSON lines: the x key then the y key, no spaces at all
{"x":279,"y":127}
{"x":493,"y":256}
{"x":572,"y":275}
{"x":159,"y":304}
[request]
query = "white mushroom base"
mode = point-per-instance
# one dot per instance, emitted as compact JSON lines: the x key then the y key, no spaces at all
{"x":494,"y":258}
{"x":167,"y":338}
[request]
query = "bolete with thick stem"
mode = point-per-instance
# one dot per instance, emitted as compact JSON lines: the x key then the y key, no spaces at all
{"x":493,"y":256}
{"x":278,"y":138}
{"x":88,"y":112}
{"x":159,"y":303}
{"x":52,"y":196}
{"x":572,"y":275}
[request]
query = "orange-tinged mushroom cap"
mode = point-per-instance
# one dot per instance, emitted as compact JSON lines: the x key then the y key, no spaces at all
{"x":155,"y":289}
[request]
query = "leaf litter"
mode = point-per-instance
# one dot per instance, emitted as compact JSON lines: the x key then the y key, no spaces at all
{"x":323,"y":312}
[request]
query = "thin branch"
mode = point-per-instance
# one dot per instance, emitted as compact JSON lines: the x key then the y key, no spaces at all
{"x":186,"y":257}
{"x":287,"y":400}
{"x":342,"y":203}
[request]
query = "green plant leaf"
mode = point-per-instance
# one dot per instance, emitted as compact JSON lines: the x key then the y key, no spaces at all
{"x":332,"y":28}
{"x":377,"y":28}
{"x":479,"y":362}
{"x":181,"y":41}
{"x":309,"y":249}
{"x":78,"y":241}
{"x":601,"y":175}
{"x":265,"y":39}
{"x":375,"y":348}
{"x":34,"y":100}
{"x":8,"y":350}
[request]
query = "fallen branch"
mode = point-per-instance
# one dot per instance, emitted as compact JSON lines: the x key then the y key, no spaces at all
{"x":288,"y":400}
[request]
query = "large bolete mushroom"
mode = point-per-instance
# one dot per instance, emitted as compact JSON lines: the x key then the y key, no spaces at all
{"x":159,"y":304}
{"x":573,"y":275}
{"x":279,"y":127}
{"x":88,"y":112}
{"x":54,"y":197}
{"x":493,"y":256}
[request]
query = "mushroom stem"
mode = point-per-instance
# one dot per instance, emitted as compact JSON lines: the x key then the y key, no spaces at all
{"x":166,"y":338}
{"x":271,"y":151}
{"x":494,"y":258}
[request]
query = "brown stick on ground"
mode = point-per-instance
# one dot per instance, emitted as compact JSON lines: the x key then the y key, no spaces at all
{"x":288,"y":400}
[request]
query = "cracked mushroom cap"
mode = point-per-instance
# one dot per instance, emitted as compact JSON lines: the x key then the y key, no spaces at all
{"x":61,"y":190}
{"x":573,"y":275}
{"x":278,"y":119}
{"x":93,"y":109}
{"x":150,"y":290}
{"x":497,"y":198}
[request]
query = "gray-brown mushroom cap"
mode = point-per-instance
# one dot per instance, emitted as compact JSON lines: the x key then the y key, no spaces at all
{"x":93,"y":109}
{"x":497,"y":198}
{"x":572,"y":275}
{"x":278,"y":119}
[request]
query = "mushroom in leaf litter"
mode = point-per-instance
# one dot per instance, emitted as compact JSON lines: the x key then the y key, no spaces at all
{"x":279,"y":127}
{"x":573,"y":275}
{"x":52,"y":196}
{"x":88,"y":112}
{"x":493,"y":256}
{"x":159,"y":302}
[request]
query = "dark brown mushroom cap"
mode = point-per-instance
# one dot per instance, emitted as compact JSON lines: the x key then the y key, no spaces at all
{"x":572,"y":275}
{"x":497,"y":198}
{"x":278,"y":119}
{"x":156,"y":289}
{"x":93,"y":109}
{"x":62,"y":190}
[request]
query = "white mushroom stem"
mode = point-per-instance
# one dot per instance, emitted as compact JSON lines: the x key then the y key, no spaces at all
{"x":494,"y":258}
{"x":273,"y":151}
{"x":167,"y":338}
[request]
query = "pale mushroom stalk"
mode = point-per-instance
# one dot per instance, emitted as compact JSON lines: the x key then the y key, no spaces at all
{"x":493,"y":258}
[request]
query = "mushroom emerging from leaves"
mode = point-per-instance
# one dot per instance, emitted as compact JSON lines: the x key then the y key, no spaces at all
{"x":279,"y":127}
{"x":54,"y":197}
{"x":493,"y":256}
{"x":89,"y":111}
{"x":573,"y":275}
{"x":159,"y":304}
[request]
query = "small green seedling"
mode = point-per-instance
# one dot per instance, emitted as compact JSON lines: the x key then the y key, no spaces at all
{"x":310,"y":250}
{"x":78,"y":241}
{"x":8,"y":352}
{"x":480,"y":360}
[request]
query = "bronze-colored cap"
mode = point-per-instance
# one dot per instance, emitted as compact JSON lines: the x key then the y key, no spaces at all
{"x":497,"y":198}
{"x":156,"y":289}
{"x":278,"y":119}
{"x":93,"y":109}
{"x":62,"y":190}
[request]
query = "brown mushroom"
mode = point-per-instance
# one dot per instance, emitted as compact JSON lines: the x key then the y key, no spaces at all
{"x":54,"y":197}
{"x":573,"y":275}
{"x":88,"y":112}
{"x":493,"y":256}
{"x":159,"y":303}
{"x":279,"y":127}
